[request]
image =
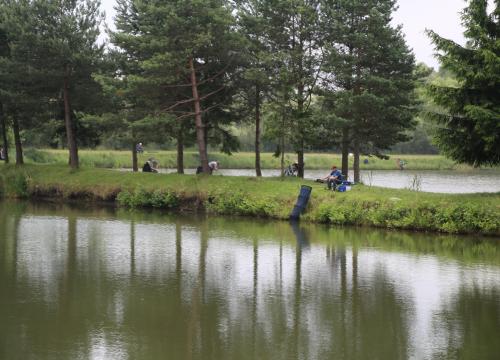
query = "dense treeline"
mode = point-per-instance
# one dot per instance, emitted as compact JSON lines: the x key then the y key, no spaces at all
{"x":304,"y":74}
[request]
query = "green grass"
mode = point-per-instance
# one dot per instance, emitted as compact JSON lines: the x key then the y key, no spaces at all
{"x":242,"y":160}
{"x":260,"y":197}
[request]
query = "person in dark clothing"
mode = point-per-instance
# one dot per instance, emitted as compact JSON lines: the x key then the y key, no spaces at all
{"x":147,"y":167}
{"x":150,"y":166}
{"x":334,"y":178}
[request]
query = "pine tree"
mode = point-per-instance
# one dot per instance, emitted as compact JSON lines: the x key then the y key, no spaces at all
{"x":54,"y":54}
{"x":20,"y":83}
{"x":371,"y":79}
{"x":294,"y":37}
{"x":469,"y":130}
{"x":254,"y":85}
{"x":183,"y":54}
{"x":4,"y":54}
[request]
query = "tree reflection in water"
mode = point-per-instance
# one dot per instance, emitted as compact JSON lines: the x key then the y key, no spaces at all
{"x":82,"y":284}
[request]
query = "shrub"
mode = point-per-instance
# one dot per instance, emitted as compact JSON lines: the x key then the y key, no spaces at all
{"x":14,"y":184}
{"x":238,"y":203}
{"x":143,"y":198}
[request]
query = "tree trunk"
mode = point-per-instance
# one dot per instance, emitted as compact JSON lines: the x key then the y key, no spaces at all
{"x":200,"y":133}
{"x":345,"y":152}
{"x":205,"y":136}
{"x":282,"y":155}
{"x":135,"y":167}
{"x":258,"y":170}
{"x":4,"y":135}
{"x":180,"y":152}
{"x":282,"y":141}
{"x":70,"y":130}
{"x":356,"y":161}
{"x":17,"y":141}
{"x":300,"y":161}
{"x":300,"y":152}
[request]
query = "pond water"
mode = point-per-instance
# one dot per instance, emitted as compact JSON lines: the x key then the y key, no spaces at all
{"x":439,"y":181}
{"x":79,"y":283}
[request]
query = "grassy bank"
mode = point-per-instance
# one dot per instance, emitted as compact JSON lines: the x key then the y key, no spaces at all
{"x":265,"y":197}
{"x":242,"y":160}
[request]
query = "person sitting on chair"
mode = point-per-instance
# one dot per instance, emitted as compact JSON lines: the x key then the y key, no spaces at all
{"x":147,"y":167}
{"x":334,"y":178}
{"x":150,"y":166}
{"x":292,"y":169}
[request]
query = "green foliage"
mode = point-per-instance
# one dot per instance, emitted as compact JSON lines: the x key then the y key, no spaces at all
{"x":52,"y":51}
{"x":141,"y":197}
{"x":154,"y":42}
{"x":104,"y":160}
{"x":456,"y":218}
{"x":14,"y":183}
{"x":326,"y":73}
{"x":469,"y":126}
{"x":371,"y":94}
{"x":39,"y":156}
{"x":239,"y":203}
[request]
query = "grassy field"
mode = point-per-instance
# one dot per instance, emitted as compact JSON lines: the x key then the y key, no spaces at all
{"x":260,"y":197}
{"x":242,"y":160}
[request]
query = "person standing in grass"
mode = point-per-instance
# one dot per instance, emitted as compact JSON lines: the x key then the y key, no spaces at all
{"x":2,"y":153}
{"x":400,"y":163}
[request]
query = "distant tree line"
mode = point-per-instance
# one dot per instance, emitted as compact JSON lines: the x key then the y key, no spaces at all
{"x":303,"y":74}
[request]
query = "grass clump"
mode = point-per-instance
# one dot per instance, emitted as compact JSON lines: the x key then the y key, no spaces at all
{"x":14,"y":182}
{"x":141,"y":197}
{"x":240,"y":203}
{"x":40,"y":156}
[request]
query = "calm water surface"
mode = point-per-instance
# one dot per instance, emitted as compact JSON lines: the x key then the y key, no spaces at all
{"x":106,"y":284}
{"x":438,"y":181}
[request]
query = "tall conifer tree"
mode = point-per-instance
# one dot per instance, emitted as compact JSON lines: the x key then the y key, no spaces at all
{"x":371,"y":80}
{"x":54,"y":52}
{"x":255,"y":84}
{"x":469,"y":130}
{"x":183,"y":53}
{"x":294,"y":36}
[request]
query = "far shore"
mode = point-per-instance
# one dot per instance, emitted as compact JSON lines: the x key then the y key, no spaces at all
{"x":239,"y":160}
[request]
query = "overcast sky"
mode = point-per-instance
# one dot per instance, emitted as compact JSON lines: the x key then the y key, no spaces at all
{"x":442,"y":16}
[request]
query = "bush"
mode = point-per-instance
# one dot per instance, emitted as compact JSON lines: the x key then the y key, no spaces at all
{"x":464,"y":218}
{"x":140,"y":197}
{"x":238,"y":203}
{"x":14,"y":184}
